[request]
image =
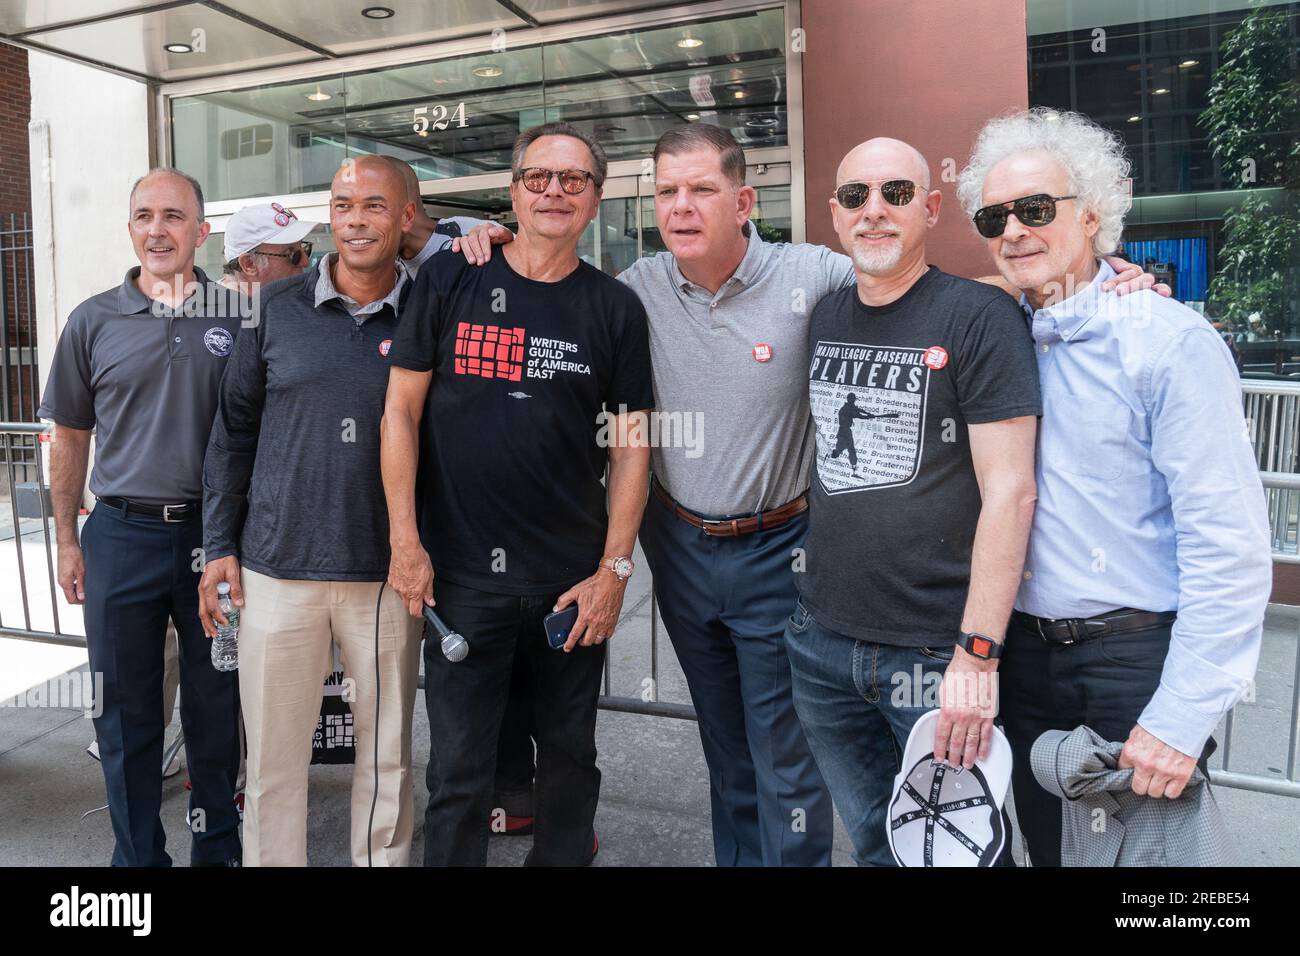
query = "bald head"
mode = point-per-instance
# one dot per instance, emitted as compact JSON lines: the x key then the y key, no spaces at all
{"x":884,"y":158}
{"x":411,"y":181}
{"x":377,"y":171}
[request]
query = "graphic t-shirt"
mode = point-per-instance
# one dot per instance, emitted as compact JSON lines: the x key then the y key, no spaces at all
{"x":894,"y":501}
{"x":513,"y":448}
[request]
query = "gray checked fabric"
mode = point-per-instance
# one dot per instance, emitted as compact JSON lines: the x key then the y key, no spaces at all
{"x":1104,"y":823}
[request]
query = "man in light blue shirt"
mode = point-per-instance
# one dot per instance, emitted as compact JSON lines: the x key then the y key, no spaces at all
{"x":1149,"y":567}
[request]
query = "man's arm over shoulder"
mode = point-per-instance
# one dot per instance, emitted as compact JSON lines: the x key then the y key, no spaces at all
{"x":1200,"y":443}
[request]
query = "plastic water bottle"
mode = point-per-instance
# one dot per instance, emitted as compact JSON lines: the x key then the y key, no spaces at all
{"x":225,"y":646}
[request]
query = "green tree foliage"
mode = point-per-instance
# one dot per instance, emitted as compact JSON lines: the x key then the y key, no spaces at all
{"x":1253,"y":123}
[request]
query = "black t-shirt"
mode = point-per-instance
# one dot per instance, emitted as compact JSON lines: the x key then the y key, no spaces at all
{"x":509,"y":491}
{"x":894,"y":501}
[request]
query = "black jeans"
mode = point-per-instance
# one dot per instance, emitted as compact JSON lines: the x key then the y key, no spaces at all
{"x":466,"y":702}
{"x":1104,"y":684}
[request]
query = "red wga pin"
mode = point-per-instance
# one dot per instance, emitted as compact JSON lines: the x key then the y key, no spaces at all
{"x":936,"y":357}
{"x":384,"y":346}
{"x":762,"y":352}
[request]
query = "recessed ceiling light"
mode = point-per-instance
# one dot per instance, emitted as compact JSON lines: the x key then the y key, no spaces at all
{"x":319,"y":96}
{"x":178,"y":48}
{"x":738,"y":94}
{"x":761,"y":122}
{"x":612,"y":129}
{"x":1186,"y":64}
{"x":469,"y":139}
{"x":377,"y":13}
{"x":1160,"y":91}
{"x":689,"y":42}
{"x":692,"y":116}
{"x":1135,"y":119}
{"x":487,"y":71}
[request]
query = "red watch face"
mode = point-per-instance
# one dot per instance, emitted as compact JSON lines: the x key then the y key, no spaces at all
{"x":981,"y":646}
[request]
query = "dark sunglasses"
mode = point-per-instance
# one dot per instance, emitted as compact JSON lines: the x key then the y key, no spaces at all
{"x":896,"y":192}
{"x":537,"y":178}
{"x":294,"y":256}
{"x":1036,"y":210}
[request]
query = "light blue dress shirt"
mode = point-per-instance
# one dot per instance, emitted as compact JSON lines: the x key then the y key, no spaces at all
{"x":1148,"y":494}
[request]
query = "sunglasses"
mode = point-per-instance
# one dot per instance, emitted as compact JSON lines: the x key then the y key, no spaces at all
{"x":294,"y":256}
{"x":537,"y":178}
{"x":1036,"y":210}
{"x":896,"y":192}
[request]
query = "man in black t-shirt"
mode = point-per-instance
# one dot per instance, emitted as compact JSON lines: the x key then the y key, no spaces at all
{"x":917,"y":541}
{"x":511,"y":386}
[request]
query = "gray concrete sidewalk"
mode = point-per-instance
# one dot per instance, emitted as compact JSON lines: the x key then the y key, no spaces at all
{"x":654,"y":807}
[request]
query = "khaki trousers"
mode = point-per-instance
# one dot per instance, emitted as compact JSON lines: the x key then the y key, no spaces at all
{"x":286,"y":633}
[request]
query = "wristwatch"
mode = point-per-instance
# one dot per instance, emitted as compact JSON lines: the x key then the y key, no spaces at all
{"x":979,"y":645}
{"x":621,"y":566}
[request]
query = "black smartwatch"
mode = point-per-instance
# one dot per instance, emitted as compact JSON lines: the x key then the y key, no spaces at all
{"x":979,"y":645}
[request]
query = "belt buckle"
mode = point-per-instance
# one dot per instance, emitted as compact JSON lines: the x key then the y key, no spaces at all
{"x":706,"y":522}
{"x":167,"y":516}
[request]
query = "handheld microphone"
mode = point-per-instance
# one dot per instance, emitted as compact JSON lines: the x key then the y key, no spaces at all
{"x":454,"y":647}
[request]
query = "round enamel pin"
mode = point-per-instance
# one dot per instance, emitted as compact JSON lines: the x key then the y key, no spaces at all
{"x":936,"y":357}
{"x":762,"y":352}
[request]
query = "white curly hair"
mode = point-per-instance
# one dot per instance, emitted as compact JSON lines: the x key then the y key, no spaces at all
{"x":1093,"y":158}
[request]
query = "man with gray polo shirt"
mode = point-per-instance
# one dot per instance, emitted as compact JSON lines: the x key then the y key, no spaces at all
{"x":729,"y":325}
{"x":140,"y":365}
{"x":728,"y":343}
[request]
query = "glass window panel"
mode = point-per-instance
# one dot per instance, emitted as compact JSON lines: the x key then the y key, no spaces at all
{"x":1152,"y":85}
{"x":301,"y":138}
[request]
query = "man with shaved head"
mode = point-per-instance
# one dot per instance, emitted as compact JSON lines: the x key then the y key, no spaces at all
{"x":296,"y":524}
{"x":914,"y":554}
{"x":139,"y":365}
{"x":428,"y":235}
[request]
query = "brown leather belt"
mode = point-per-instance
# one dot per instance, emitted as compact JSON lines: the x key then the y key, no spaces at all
{"x":733,"y":527}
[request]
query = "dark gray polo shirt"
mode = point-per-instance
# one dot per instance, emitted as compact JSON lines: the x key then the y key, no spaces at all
{"x":145,"y":377}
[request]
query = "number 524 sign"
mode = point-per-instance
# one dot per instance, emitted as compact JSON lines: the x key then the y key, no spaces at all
{"x":437,"y":118}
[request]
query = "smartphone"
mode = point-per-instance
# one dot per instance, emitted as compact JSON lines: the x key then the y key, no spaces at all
{"x":559,"y":624}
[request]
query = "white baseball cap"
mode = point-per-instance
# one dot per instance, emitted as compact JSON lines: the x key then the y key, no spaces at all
{"x":944,"y":817}
{"x":263,"y":222}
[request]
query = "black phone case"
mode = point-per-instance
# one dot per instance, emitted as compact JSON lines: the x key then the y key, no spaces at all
{"x":559,"y":624}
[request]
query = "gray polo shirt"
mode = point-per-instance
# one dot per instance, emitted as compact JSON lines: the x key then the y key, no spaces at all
{"x":325,"y":291}
{"x":145,"y":378}
{"x":731,"y":374}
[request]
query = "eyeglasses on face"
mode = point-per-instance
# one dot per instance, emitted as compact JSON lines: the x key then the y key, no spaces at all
{"x":295,"y":256}
{"x":537,"y":178}
{"x":1036,"y":210}
{"x":896,"y":192}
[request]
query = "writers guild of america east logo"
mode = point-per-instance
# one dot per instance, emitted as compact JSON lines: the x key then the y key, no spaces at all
{"x":218,"y":341}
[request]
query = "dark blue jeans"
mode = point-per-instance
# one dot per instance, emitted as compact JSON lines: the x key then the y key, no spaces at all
{"x":724,"y":602}
{"x":858,"y":701}
{"x":466,"y":702}
{"x":139,"y":572}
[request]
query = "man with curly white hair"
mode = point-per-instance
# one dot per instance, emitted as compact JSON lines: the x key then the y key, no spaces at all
{"x":1142,"y":601}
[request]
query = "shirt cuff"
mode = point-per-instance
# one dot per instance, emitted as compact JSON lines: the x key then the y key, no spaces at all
{"x":1187,"y":723}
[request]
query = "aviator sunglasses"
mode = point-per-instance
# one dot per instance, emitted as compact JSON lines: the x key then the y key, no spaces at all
{"x":896,"y":192}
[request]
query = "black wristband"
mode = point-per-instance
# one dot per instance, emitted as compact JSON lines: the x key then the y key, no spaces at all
{"x":979,"y":645}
